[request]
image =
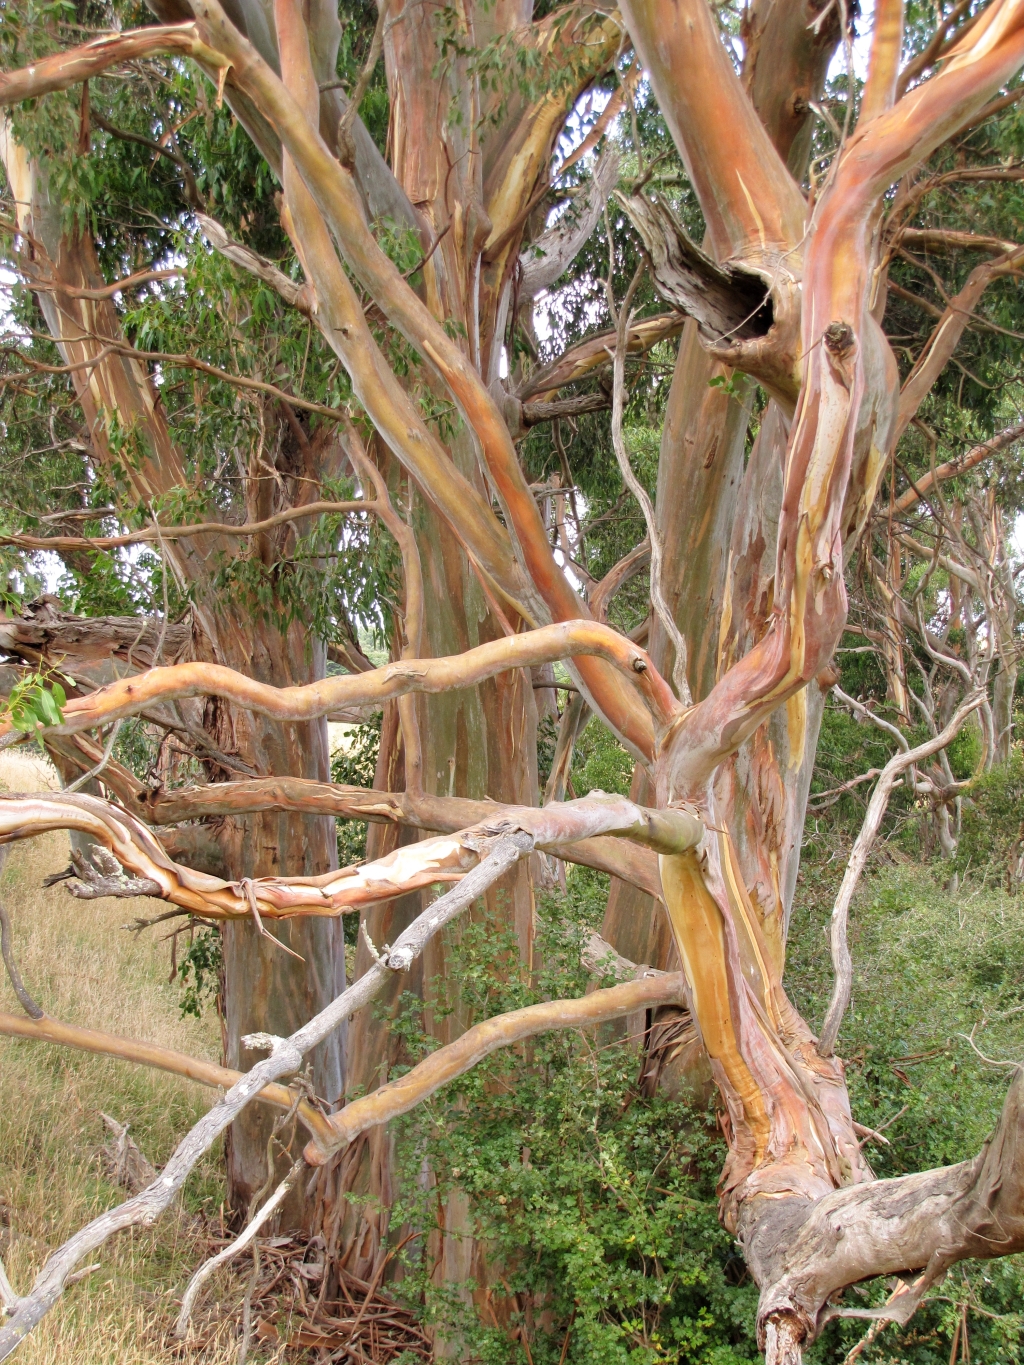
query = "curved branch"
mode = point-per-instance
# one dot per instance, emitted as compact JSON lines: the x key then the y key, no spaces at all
{"x":945,"y":338}
{"x":859,"y":709}
{"x":959,"y":464}
{"x":107,"y":291}
{"x":638,"y":559}
{"x":149,"y":534}
{"x":629,"y":478}
{"x":258,"y":1219}
{"x":408,"y":868}
{"x":549,"y":256}
{"x":24,"y":998}
{"x":47,"y":1030}
{"x":92,"y":59}
{"x":298,"y":296}
{"x":447,"y":1063}
{"x":176,"y":360}
{"x":596,"y":353}
{"x":546,"y":645}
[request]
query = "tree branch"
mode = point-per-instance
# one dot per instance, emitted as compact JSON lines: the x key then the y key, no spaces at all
{"x":959,"y":464}
{"x":77,"y":644}
{"x":947,"y":333}
{"x":150,"y":535}
{"x":803,"y":1251}
{"x":546,"y":645}
{"x":624,"y":860}
{"x":594,"y":354}
{"x":6,"y":948}
{"x":751,"y":203}
{"x":629,"y":478}
{"x":414,"y":621}
{"x":407,"y":868}
{"x":299,"y":296}
{"x":877,"y":806}
{"x":48,"y":1030}
{"x":62,"y":69}
{"x":233,"y":1248}
{"x":886,"y":50}
{"x":286,"y":1057}
{"x":447,"y":1063}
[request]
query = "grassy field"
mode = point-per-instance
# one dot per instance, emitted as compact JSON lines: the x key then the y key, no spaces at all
{"x":84,"y":968}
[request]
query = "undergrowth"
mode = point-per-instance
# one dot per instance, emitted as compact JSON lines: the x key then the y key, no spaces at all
{"x":934,"y":971}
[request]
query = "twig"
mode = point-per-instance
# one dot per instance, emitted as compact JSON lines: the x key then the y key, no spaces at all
{"x":382,"y":958}
{"x":989,"y":1061}
{"x":249,"y":889}
{"x":860,"y":709}
{"x":822,"y":800}
{"x":243,"y":1345}
{"x":233,"y":1248}
{"x":865,"y":1133}
{"x":872,"y":1331}
{"x":634,"y":485}
{"x":95,"y":772}
{"x":351,"y":112}
{"x":161,"y":533}
{"x":178,"y":360}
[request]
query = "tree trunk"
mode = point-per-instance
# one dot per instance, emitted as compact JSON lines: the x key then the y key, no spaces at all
{"x":718,"y":518}
{"x":266,"y":990}
{"x":477,"y":744}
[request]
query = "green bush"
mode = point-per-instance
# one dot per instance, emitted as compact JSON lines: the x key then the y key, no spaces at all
{"x":355,"y":765}
{"x":600,"y":763}
{"x":598,"y":1204}
{"x":992,"y":823}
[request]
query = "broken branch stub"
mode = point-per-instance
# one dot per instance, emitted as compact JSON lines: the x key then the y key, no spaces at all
{"x":727,"y":304}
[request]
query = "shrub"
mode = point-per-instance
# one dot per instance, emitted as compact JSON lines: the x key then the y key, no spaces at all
{"x":597,"y":1204}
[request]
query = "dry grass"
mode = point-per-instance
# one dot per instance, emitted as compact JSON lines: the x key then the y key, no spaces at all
{"x":83,"y":968}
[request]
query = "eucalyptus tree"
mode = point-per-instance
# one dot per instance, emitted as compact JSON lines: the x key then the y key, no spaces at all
{"x":383,"y":362}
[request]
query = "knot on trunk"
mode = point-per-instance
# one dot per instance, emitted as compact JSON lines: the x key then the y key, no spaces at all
{"x":839,"y":337}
